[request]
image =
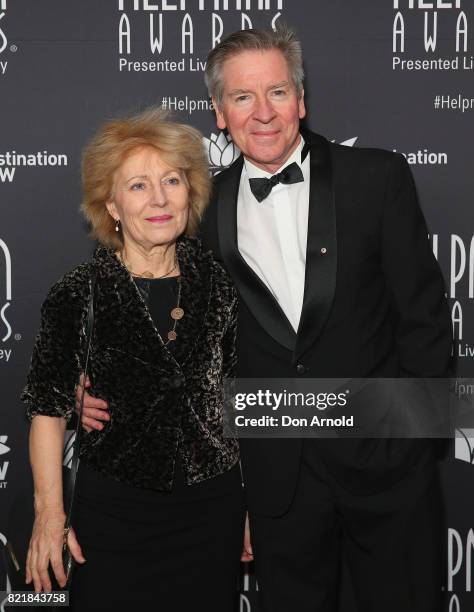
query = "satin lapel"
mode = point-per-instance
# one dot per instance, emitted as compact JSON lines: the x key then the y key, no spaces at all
{"x":321,"y":250}
{"x":253,"y":291}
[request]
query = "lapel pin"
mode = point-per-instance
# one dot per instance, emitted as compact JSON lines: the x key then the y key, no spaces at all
{"x":323,"y":251}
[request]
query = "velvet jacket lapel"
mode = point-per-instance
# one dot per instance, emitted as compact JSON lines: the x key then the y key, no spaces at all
{"x":123,"y":320}
{"x":321,"y":256}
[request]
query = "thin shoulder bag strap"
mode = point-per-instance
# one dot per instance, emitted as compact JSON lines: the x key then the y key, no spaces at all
{"x":72,"y":473}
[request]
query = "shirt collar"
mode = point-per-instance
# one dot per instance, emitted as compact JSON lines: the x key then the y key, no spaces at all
{"x":255,"y":172}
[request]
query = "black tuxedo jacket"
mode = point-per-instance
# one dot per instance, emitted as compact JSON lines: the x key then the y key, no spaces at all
{"x":374,"y":306}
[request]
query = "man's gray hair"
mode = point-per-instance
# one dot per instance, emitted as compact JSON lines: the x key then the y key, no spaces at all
{"x":283,"y":39}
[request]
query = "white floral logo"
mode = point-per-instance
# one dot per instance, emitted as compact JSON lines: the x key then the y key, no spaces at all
{"x":221,"y":151}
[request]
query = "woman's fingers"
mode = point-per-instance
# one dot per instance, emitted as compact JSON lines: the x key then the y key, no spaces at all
{"x":28,"y":576}
{"x":58,"y":569}
{"x":39,"y":562}
{"x":34,"y":571}
{"x":43,"y":573}
{"x":46,"y":547}
{"x":74,"y":547}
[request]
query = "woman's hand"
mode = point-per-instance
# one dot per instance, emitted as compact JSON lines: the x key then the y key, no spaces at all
{"x":46,"y":543}
{"x":46,"y":546}
{"x":247,"y":552}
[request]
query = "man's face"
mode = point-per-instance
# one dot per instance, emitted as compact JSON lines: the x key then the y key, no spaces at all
{"x":260,"y":107}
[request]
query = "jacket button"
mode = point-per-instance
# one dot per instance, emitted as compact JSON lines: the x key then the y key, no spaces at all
{"x":300,"y":369}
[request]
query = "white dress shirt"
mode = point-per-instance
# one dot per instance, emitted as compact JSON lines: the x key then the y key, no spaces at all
{"x":272,"y":234}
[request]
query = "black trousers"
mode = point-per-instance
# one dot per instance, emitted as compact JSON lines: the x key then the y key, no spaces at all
{"x":392,"y":543}
{"x":151,"y":550}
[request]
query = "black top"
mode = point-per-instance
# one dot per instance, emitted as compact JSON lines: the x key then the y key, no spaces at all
{"x":161,"y":296}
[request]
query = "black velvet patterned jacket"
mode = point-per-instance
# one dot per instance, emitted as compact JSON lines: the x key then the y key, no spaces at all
{"x":159,"y":400}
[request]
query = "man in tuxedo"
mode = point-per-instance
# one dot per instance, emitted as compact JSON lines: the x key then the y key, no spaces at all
{"x":328,"y":249}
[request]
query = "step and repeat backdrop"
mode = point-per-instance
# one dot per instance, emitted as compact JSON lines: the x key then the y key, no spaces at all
{"x":394,"y":74}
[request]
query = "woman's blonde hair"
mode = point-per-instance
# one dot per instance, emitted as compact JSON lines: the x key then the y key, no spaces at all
{"x":180,"y":145}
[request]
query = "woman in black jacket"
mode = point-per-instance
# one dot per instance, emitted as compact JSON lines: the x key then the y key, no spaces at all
{"x":158,"y":517}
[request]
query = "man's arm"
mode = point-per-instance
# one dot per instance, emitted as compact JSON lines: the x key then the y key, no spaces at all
{"x":414,"y":279}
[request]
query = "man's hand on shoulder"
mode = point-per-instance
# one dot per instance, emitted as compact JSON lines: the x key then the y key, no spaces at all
{"x":95,"y":410}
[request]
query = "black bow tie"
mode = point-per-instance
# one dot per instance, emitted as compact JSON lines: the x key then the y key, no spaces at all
{"x":261,"y":187}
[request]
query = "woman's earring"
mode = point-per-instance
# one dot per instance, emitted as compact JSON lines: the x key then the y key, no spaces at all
{"x":117,"y":225}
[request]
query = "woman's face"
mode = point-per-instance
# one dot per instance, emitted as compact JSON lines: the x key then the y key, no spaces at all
{"x":150,"y":198}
